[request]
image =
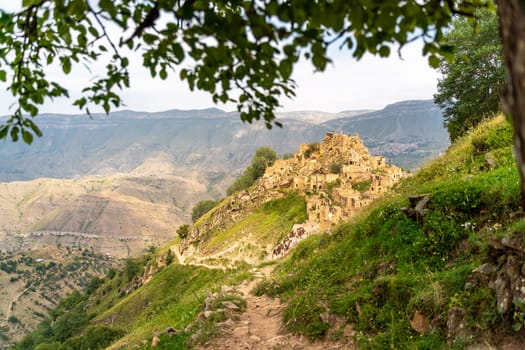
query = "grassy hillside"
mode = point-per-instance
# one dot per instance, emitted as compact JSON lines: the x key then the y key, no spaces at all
{"x":250,"y":239}
{"x":382,"y":269}
{"x":116,"y":311}
{"x":395,"y":277}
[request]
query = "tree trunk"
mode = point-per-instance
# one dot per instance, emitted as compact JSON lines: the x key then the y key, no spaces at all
{"x":511,"y":15}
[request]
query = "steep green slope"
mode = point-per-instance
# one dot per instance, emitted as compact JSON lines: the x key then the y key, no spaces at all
{"x":120,"y":311}
{"x":249,"y":239}
{"x":387,"y":269}
{"x":148,"y":295}
{"x":394,"y":274}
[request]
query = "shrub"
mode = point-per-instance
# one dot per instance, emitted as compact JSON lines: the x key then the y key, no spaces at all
{"x":335,"y":168}
{"x":263,"y":158}
{"x":132,"y":269}
{"x":183,"y":231}
{"x":313,"y":147}
{"x":169,"y":257}
{"x":202,"y":208}
{"x":13,"y":319}
{"x":361,"y":186}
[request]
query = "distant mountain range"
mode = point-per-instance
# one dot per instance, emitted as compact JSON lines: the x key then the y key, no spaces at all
{"x":212,"y":144}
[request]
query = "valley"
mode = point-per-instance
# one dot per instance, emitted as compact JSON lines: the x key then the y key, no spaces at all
{"x":433,"y":262}
{"x":121,"y":186}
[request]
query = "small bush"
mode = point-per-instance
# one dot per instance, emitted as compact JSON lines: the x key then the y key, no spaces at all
{"x":183,"y":231}
{"x":202,"y":208}
{"x":169,"y":257}
{"x":335,"y":168}
{"x":361,"y":186}
{"x":13,"y":319}
{"x":313,"y":147}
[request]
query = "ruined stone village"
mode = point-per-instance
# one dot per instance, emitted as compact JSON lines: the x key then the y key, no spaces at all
{"x":338,"y":176}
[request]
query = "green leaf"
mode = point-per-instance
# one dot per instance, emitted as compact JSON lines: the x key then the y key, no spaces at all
{"x":384,"y":51}
{"x":35,"y":129}
{"x":14,"y":133}
{"x":178,"y":51}
{"x":93,"y":31}
{"x":27,"y":136}
{"x":183,"y":74}
{"x":3,"y":75}
{"x":433,"y":61}
{"x":163,"y":74}
{"x":66,"y":65}
{"x":3,"y":131}
{"x":285,"y":68}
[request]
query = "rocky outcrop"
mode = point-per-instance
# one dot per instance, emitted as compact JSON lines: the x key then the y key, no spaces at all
{"x":297,"y":234}
{"x":504,"y":273}
{"x":338,"y":176}
{"x":417,"y":207}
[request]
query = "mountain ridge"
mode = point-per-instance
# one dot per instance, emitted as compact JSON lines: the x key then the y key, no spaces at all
{"x":74,"y":146}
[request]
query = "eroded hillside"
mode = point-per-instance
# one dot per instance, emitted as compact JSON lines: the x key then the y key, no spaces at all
{"x":33,"y":283}
{"x":119,"y":215}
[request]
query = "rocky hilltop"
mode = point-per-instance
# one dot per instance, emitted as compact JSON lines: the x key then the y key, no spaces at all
{"x":338,"y":177}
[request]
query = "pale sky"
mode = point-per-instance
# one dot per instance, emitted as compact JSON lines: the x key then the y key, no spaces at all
{"x":370,"y":83}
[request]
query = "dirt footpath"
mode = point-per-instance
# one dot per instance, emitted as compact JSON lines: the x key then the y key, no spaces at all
{"x":260,"y":327}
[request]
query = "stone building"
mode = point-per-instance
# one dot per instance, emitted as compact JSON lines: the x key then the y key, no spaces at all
{"x":338,"y":176}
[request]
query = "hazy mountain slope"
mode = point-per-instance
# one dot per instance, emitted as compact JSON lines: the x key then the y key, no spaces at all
{"x":118,"y":215}
{"x":211,"y":142}
{"x":318,"y":117}
{"x":405,"y":132}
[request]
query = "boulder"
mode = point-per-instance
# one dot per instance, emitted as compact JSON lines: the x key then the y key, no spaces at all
{"x":456,"y":324}
{"x":155,"y":341}
{"x":420,"y":323}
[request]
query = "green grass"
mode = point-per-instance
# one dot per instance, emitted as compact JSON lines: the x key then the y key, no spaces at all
{"x":268,"y":224}
{"x":171,"y":299}
{"x":378,"y":270}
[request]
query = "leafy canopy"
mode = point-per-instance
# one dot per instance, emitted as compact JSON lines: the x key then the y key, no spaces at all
{"x":263,"y":158}
{"x":472,"y":83}
{"x":202,"y":208}
{"x":239,"y":51}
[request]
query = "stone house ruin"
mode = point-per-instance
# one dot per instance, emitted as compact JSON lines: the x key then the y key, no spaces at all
{"x":338,"y":177}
